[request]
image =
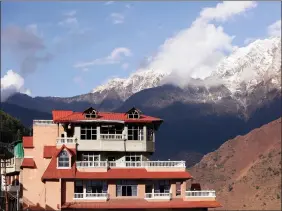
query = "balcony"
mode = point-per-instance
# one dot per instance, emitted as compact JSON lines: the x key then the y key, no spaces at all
{"x":131,"y":164}
{"x":91,"y":196}
{"x":11,"y":188}
{"x":200,"y":195}
{"x":158,"y":196}
{"x":111,"y":137}
{"x":12,"y":165}
{"x":68,"y":140}
{"x":91,"y":164}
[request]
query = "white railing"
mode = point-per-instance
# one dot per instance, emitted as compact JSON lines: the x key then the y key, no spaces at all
{"x":201,"y":193}
{"x":67,"y":140}
{"x":147,"y":164}
{"x":89,"y":164}
{"x":111,"y":136}
{"x":99,"y":196}
{"x":43,"y":122}
{"x":158,"y":195}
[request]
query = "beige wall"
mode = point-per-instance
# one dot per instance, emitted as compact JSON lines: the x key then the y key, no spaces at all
{"x":53,"y":194}
{"x":33,"y":187}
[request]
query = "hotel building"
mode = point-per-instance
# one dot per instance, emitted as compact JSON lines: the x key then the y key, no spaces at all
{"x":95,"y":160}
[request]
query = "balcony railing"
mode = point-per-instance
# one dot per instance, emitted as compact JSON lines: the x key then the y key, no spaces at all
{"x":93,"y":196}
{"x":91,"y":164}
{"x":146,"y":164}
{"x":43,"y":122}
{"x":111,"y":136}
{"x":132,"y":164}
{"x":158,"y":195}
{"x":68,"y":140}
{"x":201,"y":193}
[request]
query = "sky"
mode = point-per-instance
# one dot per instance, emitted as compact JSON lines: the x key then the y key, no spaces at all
{"x":68,"y":48}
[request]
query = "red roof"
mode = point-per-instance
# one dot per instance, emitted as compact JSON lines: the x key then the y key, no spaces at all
{"x":133,"y":173}
{"x":52,"y":172}
{"x":141,"y":204}
{"x":49,"y":151}
{"x":28,"y":163}
{"x":69,"y":116}
{"x":28,"y":142}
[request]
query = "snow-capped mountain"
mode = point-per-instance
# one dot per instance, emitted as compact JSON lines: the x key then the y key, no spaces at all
{"x":239,"y":72}
{"x":136,"y":82}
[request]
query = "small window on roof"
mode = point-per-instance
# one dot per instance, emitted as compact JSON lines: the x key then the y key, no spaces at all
{"x":64,"y":159}
{"x":90,"y":113}
{"x":133,"y":113}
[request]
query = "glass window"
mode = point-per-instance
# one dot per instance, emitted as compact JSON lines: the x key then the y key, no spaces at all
{"x":88,"y":132}
{"x":135,"y":132}
{"x":126,"y":188}
{"x":93,"y":186}
{"x":162,"y":186}
{"x":78,"y":187}
{"x":91,"y":114}
{"x":64,"y":159}
{"x":134,"y":115}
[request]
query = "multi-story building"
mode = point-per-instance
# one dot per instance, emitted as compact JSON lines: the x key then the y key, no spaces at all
{"x":101,"y":160}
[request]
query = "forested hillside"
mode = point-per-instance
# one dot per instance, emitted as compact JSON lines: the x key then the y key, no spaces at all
{"x":11,"y":128}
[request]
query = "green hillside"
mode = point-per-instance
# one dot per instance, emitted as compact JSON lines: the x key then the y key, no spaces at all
{"x":11,"y":129}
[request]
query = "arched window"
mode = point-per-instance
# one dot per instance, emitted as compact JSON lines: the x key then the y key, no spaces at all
{"x":64,"y":159}
{"x":90,"y":113}
{"x":133,"y":113}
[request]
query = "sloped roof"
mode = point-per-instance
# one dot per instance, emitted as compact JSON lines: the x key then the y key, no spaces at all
{"x":141,"y":204}
{"x":28,"y":163}
{"x":70,"y":116}
{"x":49,"y":151}
{"x":28,"y":142}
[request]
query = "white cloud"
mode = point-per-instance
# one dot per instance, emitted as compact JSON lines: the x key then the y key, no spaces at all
{"x":114,"y":57}
{"x":195,"y":51}
{"x":109,"y":2}
{"x":117,"y":18}
{"x":275,"y":29}
{"x":125,"y":66}
{"x":70,"y":13}
{"x":11,"y":83}
{"x":69,"y":21}
{"x":128,"y":6}
{"x":33,"y":28}
{"x":225,"y":10}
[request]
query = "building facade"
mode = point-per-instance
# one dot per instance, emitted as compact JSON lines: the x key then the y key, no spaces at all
{"x":101,"y":160}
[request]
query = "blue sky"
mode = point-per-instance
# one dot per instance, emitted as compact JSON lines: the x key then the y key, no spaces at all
{"x":71,"y":42}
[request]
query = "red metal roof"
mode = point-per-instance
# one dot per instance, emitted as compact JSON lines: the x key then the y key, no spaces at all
{"x":49,"y":151}
{"x":28,"y":163}
{"x":28,"y":142}
{"x":141,"y":204}
{"x":133,"y":173}
{"x":69,"y":116}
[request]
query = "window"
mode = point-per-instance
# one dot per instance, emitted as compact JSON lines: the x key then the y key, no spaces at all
{"x":126,"y":188}
{"x":178,"y":188}
{"x":162,"y":186}
{"x":78,"y":186}
{"x":111,"y":129}
{"x":90,"y":156}
{"x":93,"y":186}
{"x":133,"y":159}
{"x":133,"y":114}
{"x":135,"y":132}
{"x":64,"y":159}
{"x":91,"y":114}
{"x":88,"y":132}
{"x":150,"y":134}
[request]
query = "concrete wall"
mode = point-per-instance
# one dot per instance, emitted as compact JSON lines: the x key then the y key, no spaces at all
{"x":53,"y":194}
{"x":34,"y":189}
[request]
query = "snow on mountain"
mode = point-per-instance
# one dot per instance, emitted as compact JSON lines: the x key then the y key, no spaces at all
{"x":242,"y":70}
{"x":248,"y":66}
{"x":136,"y":82}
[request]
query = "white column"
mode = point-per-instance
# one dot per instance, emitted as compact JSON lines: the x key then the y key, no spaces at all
{"x":77,"y":132}
{"x":125,"y":132}
{"x":145,"y":132}
{"x":84,"y":189}
{"x":98,"y":132}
